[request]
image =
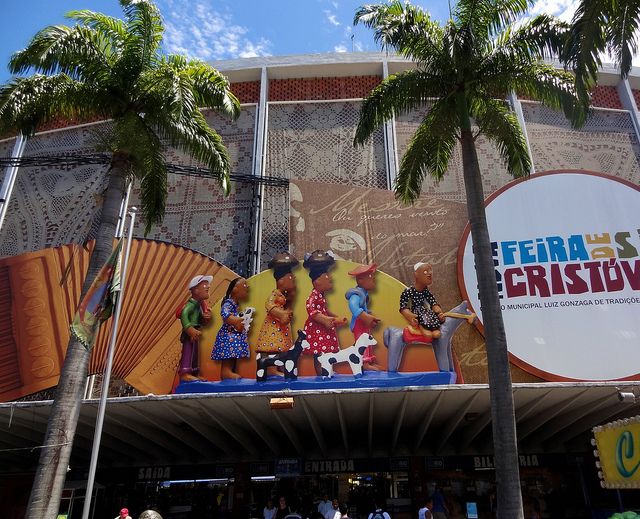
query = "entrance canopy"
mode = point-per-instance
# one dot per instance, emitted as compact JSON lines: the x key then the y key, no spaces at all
{"x":334,"y":424}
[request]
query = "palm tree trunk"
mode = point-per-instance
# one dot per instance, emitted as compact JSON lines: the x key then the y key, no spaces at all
{"x":505,"y":445}
{"x":54,"y":456}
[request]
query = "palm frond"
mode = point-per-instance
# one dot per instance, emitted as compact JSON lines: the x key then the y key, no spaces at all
{"x":501,"y":126}
{"x":489,"y":17}
{"x":165,"y":90}
{"x":542,"y":37}
{"x":201,"y":142}
{"x":622,"y":34}
{"x":555,"y":88}
{"x":79,"y":52}
{"x":402,"y":27}
{"x":145,"y":28}
{"x":397,"y":94}
{"x":211,"y":89}
{"x":429,"y":151}
{"x":585,"y":43}
{"x":115,"y":28}
{"x":134,"y":137}
{"x":26,"y":102}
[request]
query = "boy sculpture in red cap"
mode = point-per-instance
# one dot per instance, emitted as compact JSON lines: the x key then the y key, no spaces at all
{"x":194,"y":314}
{"x":362,"y":320}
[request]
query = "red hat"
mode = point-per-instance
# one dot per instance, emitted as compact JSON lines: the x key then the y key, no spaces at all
{"x":363,"y":270}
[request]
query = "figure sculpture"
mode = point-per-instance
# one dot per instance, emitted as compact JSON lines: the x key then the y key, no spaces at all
{"x":231,"y":341}
{"x":362,"y":320}
{"x":321,"y":324}
{"x":193,"y":315}
{"x":275,"y":332}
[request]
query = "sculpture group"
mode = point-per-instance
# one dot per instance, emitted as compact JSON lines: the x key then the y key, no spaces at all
{"x":277,"y":354}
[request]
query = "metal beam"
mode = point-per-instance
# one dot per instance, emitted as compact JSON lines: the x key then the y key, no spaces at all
{"x":290,"y":432}
{"x":601,"y":416}
{"x":398,"y":424}
{"x":315,"y":427}
{"x":426,"y":422}
{"x":542,"y":418}
{"x":343,"y":427}
{"x":457,"y":418}
{"x":184,"y":437}
{"x":236,"y":433}
{"x":261,"y":430}
{"x":370,"y":424}
{"x":208,"y":434}
{"x":115,"y":438}
{"x":530,"y":407}
{"x":566,"y":419}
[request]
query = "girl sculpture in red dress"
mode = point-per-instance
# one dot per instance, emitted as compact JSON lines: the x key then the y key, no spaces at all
{"x":321,"y":324}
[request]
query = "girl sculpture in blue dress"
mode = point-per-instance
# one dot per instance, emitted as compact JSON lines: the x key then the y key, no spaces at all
{"x":231,"y":342}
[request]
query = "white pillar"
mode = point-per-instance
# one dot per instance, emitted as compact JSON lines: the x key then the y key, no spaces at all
{"x":10,"y":177}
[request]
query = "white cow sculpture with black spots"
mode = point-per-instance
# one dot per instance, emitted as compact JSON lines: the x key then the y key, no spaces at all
{"x":352,"y":355}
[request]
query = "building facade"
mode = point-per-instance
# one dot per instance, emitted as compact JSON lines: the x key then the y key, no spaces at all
{"x":193,"y":455}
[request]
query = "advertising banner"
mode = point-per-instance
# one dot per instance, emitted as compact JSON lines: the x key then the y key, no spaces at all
{"x":618,"y":447}
{"x":566,"y":249}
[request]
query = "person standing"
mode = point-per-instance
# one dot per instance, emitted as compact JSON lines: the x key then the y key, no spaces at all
{"x":325,"y":505}
{"x":283,"y":509}
{"x":425,"y":511}
{"x":378,"y":513}
{"x":344,"y":511}
{"x":334,"y":511}
{"x":440,"y":510}
{"x":124,"y":514}
{"x":269,"y":511}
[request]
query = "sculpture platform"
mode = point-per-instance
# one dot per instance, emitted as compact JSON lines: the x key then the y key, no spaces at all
{"x":369,"y":379}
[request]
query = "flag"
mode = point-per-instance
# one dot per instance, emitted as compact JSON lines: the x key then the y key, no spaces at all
{"x":99,"y":302}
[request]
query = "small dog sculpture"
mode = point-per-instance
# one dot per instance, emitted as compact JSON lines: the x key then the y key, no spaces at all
{"x":352,"y":355}
{"x":287,"y":359}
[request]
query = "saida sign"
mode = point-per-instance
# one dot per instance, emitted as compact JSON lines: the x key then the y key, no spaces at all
{"x":618,"y":449}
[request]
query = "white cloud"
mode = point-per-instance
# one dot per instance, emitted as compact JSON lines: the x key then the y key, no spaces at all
{"x":340,"y":48}
{"x":194,"y":29}
{"x":332,"y":18}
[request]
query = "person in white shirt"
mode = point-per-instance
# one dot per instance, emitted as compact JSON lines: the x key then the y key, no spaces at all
{"x":379,"y":514}
{"x":324,"y":506}
{"x":334,"y":512}
{"x":425,"y":511}
{"x":269,"y":511}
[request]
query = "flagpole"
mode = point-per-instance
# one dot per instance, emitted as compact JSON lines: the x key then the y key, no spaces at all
{"x":107,"y":374}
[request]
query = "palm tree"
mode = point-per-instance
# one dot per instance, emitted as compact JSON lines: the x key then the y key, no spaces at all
{"x":466,"y":67}
{"x":112,"y":68}
{"x":600,"y":26}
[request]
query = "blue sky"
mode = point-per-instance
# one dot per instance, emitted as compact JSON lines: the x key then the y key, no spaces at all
{"x":224,"y":29}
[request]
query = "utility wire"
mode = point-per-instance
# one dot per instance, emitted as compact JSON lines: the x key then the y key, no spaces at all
{"x":73,"y":160}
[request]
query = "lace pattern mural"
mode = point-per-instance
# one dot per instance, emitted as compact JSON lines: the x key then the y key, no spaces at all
{"x":51,"y":206}
{"x":197,"y":215}
{"x":237,"y":136}
{"x":606,"y":143}
{"x":275,"y":223}
{"x":451,"y":187}
{"x":314,"y":141}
